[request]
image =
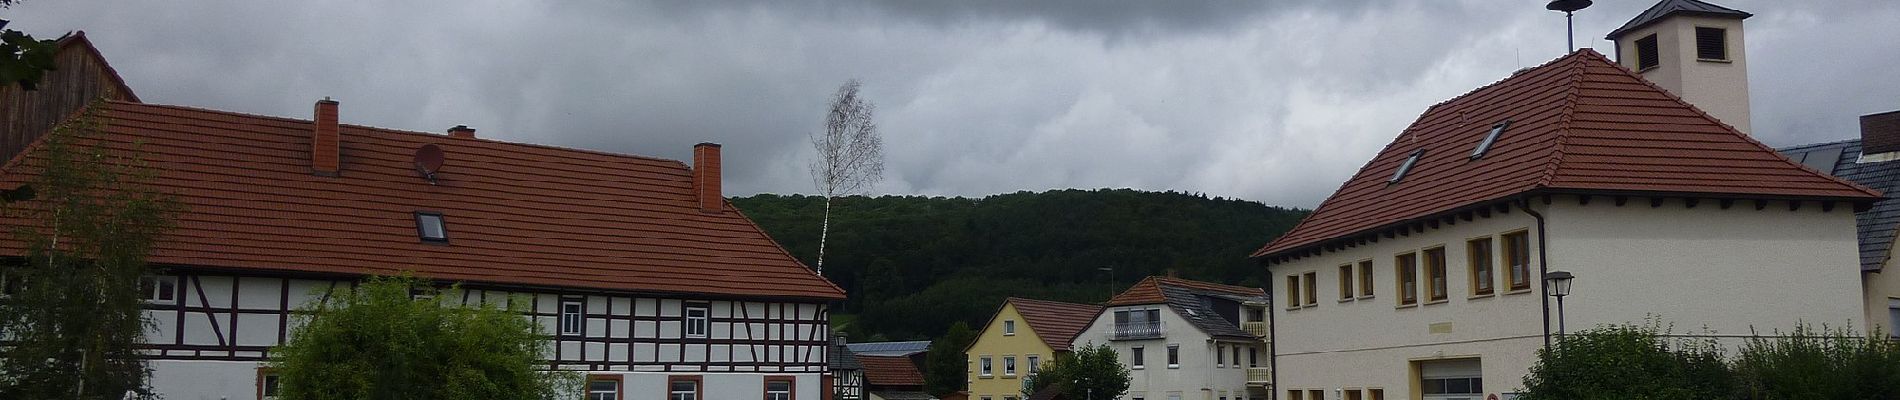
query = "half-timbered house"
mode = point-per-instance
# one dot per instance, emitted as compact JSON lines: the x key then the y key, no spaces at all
{"x":638,"y":270}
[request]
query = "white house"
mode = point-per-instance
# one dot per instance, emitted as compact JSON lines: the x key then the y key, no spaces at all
{"x":1421,"y":277}
{"x":1870,"y":160}
{"x":1188,"y":340}
{"x":640,"y":273}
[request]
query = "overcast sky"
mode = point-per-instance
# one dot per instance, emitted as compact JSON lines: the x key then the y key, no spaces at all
{"x":1271,"y":101}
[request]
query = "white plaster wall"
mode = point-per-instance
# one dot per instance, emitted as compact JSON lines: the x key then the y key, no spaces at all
{"x":1197,"y":377}
{"x":1879,"y":288}
{"x":1731,"y":271}
{"x":1718,"y":88}
{"x":205,"y":380}
{"x":1370,"y":342}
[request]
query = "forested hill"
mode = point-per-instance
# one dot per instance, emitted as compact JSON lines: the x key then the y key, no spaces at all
{"x":913,"y":265}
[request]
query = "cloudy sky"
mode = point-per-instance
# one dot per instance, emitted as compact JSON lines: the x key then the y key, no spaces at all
{"x":1272,"y":101}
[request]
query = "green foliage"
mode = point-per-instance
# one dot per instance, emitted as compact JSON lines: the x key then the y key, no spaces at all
{"x":946,"y":367}
{"x":23,"y":59}
{"x":915,"y":264}
{"x":377,"y":342}
{"x":1826,"y":364}
{"x":1093,"y":371}
{"x":1628,"y":362}
{"x":88,"y":220}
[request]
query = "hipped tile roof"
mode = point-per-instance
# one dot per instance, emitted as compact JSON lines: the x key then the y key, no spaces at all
{"x":1055,"y":322}
{"x":1666,"y":8}
{"x":1193,"y":301}
{"x":890,"y":371}
{"x":1149,"y":290}
{"x":516,"y":214}
{"x":1579,"y":124}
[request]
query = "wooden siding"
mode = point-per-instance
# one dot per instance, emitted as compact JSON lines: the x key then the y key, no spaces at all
{"x":81,"y":78}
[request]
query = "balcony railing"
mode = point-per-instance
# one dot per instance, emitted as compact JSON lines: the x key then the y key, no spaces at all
{"x":1256,"y":328}
{"x":1260,"y":376}
{"x":1134,"y":331}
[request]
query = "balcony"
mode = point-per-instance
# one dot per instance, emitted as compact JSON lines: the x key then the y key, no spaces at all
{"x":1260,"y":377}
{"x":1137,"y":331}
{"x":1256,"y":328}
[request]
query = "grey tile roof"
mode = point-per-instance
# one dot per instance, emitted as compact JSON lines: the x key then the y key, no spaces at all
{"x":1668,"y":7}
{"x":841,"y":359}
{"x":1877,"y":224}
{"x":890,"y":348}
{"x":1197,"y":306}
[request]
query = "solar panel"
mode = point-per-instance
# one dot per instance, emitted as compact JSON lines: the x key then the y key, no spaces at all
{"x":1822,"y":159}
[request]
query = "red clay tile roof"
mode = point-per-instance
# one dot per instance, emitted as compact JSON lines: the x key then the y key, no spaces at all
{"x":1055,"y":322}
{"x":515,"y":213}
{"x":1148,"y":291}
{"x":890,"y":371}
{"x":1578,"y":124}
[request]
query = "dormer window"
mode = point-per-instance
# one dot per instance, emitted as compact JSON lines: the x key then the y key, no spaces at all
{"x":1406,"y":167}
{"x":429,"y":227}
{"x":1646,"y":53}
{"x":1711,"y":44}
{"x":1490,"y":139}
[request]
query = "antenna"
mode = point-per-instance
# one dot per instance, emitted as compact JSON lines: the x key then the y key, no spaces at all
{"x":429,"y":159}
{"x":1570,"y":24}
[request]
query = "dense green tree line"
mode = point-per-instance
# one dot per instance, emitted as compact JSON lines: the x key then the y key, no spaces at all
{"x":914,"y":265}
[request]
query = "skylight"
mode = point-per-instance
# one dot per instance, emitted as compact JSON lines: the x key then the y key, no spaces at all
{"x":1485,"y":145}
{"x":1406,"y":167}
{"x":429,"y":227}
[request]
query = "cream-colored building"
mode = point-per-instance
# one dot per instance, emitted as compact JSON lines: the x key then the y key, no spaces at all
{"x":1872,"y":160}
{"x":1188,"y":340}
{"x":1422,"y":277}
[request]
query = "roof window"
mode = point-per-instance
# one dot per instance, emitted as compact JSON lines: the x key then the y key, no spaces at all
{"x":1406,"y":167}
{"x":429,"y":227}
{"x":1490,"y":139}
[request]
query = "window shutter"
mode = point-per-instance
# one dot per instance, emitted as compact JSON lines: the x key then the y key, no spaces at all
{"x":1711,"y":43}
{"x":1646,"y":53}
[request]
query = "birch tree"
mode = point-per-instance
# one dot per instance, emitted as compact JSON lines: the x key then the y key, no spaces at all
{"x":850,"y":154}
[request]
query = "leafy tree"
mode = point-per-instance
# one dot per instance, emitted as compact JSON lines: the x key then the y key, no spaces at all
{"x":23,"y":59}
{"x":946,"y":367}
{"x":1092,"y":372}
{"x":88,"y":220}
{"x":1628,"y":362}
{"x":379,"y":342}
{"x":850,"y":154}
{"x":1820,"y":364}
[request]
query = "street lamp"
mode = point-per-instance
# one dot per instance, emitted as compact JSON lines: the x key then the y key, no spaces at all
{"x":1557,"y":283}
{"x":1111,"y":281}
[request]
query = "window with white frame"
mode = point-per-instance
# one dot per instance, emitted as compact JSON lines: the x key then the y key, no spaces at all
{"x":159,"y":288}
{"x":696,"y":320}
{"x":1220,"y":356}
{"x":268,"y":384}
{"x":1136,"y":356}
{"x":1893,"y":316}
{"x":778,"y":389}
{"x":1009,"y":365}
{"x":1009,"y":327}
{"x":681,"y":388}
{"x":603,"y":389}
{"x":571,"y":318}
{"x":988,"y":369}
{"x":1174,"y":356}
{"x":1035,"y":364}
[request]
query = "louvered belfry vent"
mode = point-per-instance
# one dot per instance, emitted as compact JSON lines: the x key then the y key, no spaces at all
{"x":1647,"y":55}
{"x":1711,"y":43}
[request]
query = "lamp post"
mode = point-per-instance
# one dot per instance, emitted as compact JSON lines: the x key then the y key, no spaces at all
{"x":1557,"y":284}
{"x":1570,"y":27}
{"x":1111,"y":282}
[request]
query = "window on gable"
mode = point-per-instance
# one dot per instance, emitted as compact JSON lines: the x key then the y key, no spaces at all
{"x":159,"y":289}
{"x":571,"y":317}
{"x":1405,"y":167}
{"x":1711,"y":43}
{"x":989,"y":369}
{"x":1009,"y":327}
{"x":696,"y":320}
{"x":1035,"y":364}
{"x":429,"y":227}
{"x":1490,"y":139}
{"x":1646,"y":54}
{"x":1009,"y":365}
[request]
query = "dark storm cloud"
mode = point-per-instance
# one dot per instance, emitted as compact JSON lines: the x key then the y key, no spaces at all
{"x":1273,"y":101}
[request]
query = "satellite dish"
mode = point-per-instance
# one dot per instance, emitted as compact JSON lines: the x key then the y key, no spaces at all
{"x":429,"y":159}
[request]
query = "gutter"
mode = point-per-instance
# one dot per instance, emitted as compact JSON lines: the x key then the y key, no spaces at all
{"x":1273,"y":341}
{"x":1543,"y":263}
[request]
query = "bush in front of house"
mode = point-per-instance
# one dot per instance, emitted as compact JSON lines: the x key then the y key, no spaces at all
{"x":1645,"y":362}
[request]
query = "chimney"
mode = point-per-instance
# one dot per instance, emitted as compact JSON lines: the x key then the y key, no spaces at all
{"x":462,"y":131}
{"x":1694,"y":50}
{"x":706,"y":183}
{"x":325,"y":140}
{"x":1880,"y":133}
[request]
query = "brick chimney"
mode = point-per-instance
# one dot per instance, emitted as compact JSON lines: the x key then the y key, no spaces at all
{"x":325,"y":140}
{"x":706,"y":183}
{"x":1880,"y":133}
{"x":462,"y":131}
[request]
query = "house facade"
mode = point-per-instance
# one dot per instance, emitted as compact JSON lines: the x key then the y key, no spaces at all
{"x":1022,"y":335}
{"x":1870,"y":161}
{"x":637,"y":270}
{"x":1422,"y":276}
{"x":1188,"y":340}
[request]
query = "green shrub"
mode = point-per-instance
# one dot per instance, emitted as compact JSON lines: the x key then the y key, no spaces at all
{"x":1819,"y":364}
{"x":1628,"y":362}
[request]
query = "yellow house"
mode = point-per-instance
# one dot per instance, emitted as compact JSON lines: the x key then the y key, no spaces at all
{"x":1022,"y":335}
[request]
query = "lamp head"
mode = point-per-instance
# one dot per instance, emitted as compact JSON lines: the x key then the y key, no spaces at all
{"x":1567,"y":5}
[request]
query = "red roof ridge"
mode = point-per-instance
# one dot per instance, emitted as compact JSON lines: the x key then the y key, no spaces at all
{"x":1569,"y":112}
